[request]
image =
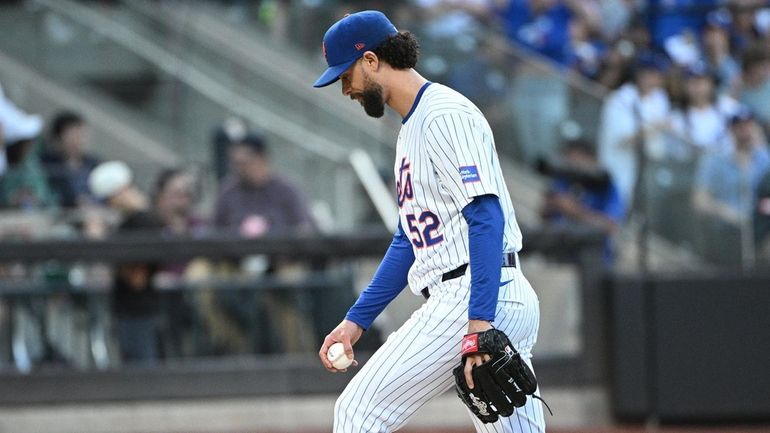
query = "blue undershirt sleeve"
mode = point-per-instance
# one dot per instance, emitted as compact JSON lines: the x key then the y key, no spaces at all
{"x":485,"y":237}
{"x":389,"y":280}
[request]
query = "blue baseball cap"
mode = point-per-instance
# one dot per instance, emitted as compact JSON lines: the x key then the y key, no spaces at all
{"x":349,"y":38}
{"x":719,"y":18}
{"x":743,"y":114}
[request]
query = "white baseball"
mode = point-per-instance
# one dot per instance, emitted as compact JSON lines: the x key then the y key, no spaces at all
{"x":336,"y":356}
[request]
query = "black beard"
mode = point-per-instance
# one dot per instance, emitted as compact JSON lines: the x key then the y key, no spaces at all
{"x":373,"y":103}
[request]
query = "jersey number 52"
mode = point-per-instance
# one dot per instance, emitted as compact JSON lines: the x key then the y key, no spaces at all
{"x":424,"y":229}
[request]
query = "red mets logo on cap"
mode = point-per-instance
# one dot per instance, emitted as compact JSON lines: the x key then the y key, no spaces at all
{"x":360,"y":46}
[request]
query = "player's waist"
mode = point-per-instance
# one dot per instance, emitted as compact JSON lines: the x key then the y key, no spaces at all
{"x":509,"y":260}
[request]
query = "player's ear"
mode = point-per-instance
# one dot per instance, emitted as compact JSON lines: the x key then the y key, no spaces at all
{"x":371,"y":61}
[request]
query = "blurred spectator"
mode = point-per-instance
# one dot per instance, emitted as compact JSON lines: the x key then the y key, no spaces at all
{"x":543,"y":26}
{"x":744,"y":32}
{"x":755,"y":89}
{"x":684,"y":48}
{"x":702,"y":120}
{"x":616,"y":16}
{"x":727,"y":181}
{"x":135,"y":300}
{"x":582,"y":192}
{"x":672,"y":18}
{"x":636,"y":113}
{"x":587,"y":50}
{"x":114,"y":184}
{"x":23,"y":184}
{"x":726,"y":186}
{"x":67,"y":164}
{"x":541,"y":103}
{"x":174,"y":199}
{"x":255,"y":200}
{"x":716,"y":50}
{"x":615,"y":65}
{"x":699,"y":125}
{"x":174,"y":196}
{"x":618,"y":62}
{"x":762,"y":23}
{"x":231,"y":130}
{"x":639,"y":35}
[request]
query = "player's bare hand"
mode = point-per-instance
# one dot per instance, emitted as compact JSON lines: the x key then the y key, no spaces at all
{"x":476,"y":358}
{"x":346,"y":333}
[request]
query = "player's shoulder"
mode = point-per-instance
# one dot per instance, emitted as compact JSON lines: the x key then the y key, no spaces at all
{"x":437,"y":95}
{"x":442,"y":101}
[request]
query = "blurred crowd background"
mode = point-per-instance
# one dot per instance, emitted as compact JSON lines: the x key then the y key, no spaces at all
{"x":641,"y":122}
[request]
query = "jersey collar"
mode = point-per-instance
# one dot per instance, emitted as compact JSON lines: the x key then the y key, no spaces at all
{"x":416,"y":101}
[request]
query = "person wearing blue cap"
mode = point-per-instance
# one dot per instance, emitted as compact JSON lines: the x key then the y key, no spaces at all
{"x":715,"y":42}
{"x":456,"y":245}
{"x":726,"y":186}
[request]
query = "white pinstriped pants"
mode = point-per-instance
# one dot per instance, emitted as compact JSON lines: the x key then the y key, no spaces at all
{"x":415,"y":363}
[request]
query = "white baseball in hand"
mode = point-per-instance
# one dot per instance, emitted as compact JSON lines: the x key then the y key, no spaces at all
{"x":336,"y":356}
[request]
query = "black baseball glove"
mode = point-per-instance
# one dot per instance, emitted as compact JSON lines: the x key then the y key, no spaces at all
{"x":500,"y":384}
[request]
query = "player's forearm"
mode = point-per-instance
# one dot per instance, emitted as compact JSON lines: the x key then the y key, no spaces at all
{"x":485,"y":237}
{"x":389,"y":280}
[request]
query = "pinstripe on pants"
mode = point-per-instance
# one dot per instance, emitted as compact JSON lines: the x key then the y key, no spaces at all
{"x":415,"y":363}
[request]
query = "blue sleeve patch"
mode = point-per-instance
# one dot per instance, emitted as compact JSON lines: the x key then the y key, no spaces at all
{"x":469,"y":174}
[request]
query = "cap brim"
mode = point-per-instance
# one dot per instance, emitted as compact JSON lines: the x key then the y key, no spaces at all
{"x":24,"y":127}
{"x":332,"y":74}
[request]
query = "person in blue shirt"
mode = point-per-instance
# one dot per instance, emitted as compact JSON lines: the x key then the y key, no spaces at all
{"x":667,"y":18}
{"x":582,"y":192}
{"x":726,"y":182}
{"x":68,"y":163}
{"x":726,"y":186}
{"x":541,"y":26}
{"x":715,"y":45}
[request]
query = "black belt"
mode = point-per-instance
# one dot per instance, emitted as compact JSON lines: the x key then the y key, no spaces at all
{"x":510,"y":260}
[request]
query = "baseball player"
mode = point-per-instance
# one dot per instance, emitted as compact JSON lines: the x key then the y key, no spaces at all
{"x":456,"y":245}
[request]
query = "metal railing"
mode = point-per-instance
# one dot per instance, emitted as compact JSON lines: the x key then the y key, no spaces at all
{"x":57,"y":321}
{"x":259,"y":61}
{"x":178,"y":67}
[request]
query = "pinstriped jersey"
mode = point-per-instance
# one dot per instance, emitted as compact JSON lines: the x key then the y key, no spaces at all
{"x":445,"y":156}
